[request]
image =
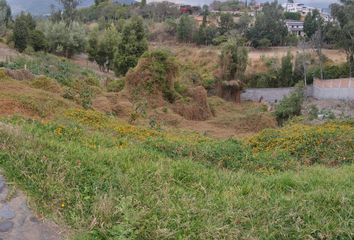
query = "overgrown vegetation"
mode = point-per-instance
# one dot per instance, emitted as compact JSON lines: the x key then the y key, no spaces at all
{"x":291,"y":105}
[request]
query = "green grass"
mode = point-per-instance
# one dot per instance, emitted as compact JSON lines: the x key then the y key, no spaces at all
{"x":108,"y":180}
{"x":60,"y":69}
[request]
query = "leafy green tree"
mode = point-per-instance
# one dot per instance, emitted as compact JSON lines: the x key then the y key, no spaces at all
{"x":292,"y":16}
{"x":38,"y":40}
{"x":143,"y":3}
{"x":24,"y":24}
{"x":98,"y":2}
{"x":103,"y":51}
{"x":243,"y":23}
{"x":5,"y":16}
{"x":264,"y":43}
{"x":131,"y":46}
{"x":63,"y":38}
{"x":344,"y":33}
{"x":205,"y":15}
{"x":69,"y":12}
{"x":185,"y":29}
{"x":290,"y":106}
{"x":285,"y":77}
{"x":233,"y":64}
{"x":313,"y":22}
{"x":226,"y":23}
{"x":269,"y":25}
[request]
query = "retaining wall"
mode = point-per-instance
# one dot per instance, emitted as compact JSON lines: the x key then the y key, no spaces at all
{"x":271,"y":95}
{"x":334,"y":89}
{"x":341,"y":89}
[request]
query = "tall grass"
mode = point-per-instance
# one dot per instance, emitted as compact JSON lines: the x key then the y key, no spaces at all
{"x":108,"y":180}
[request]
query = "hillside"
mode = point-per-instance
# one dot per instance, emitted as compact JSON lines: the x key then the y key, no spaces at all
{"x":146,"y":181}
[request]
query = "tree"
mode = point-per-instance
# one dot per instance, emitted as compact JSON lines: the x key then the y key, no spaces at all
{"x":132,"y":45}
{"x":292,"y":16}
{"x":290,"y":106}
{"x":302,"y":61}
{"x":98,"y":2}
{"x":226,"y":23}
{"x":205,"y":15}
{"x":269,"y":25}
{"x":5,"y":16}
{"x":244,"y":23}
{"x":143,"y":3}
{"x":102,"y":51}
{"x":317,"y":44}
{"x":24,"y":24}
{"x":233,"y":64}
{"x":37,"y":40}
{"x":344,"y":34}
{"x":185,"y":29}
{"x":69,"y":6}
{"x":63,"y":38}
{"x":313,"y":22}
{"x":286,"y":71}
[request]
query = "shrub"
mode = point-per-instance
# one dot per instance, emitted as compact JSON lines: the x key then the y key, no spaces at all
{"x":37,"y":40}
{"x":154,"y":76}
{"x":46,"y":84}
{"x":291,"y":105}
{"x":60,"y":69}
{"x":130,"y":47}
{"x":330,"y":72}
{"x":327,"y":144}
{"x":115,"y":85}
{"x":264,"y":43}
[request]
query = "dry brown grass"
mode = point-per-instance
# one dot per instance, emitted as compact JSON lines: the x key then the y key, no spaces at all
{"x":197,"y":108}
{"x":21,"y":99}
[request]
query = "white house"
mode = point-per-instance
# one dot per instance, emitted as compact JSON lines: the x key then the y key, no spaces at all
{"x":304,"y":10}
{"x":295,"y":27}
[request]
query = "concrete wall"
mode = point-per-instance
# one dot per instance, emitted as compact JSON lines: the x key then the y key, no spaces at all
{"x":334,"y":89}
{"x":341,"y":89}
{"x":270,"y":95}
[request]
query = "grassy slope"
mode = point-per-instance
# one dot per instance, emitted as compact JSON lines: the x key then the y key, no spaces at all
{"x":109,"y":180}
{"x":19,"y":97}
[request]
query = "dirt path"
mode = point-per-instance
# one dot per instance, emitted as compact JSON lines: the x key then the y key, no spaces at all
{"x":18,"y":222}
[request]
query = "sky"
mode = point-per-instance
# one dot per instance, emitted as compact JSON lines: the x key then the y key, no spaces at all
{"x":42,"y":6}
{"x":312,"y":3}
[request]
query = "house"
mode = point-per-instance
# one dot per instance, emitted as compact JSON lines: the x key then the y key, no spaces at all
{"x":304,"y":10}
{"x":294,"y":7}
{"x":298,"y":8}
{"x":188,"y":9}
{"x":295,"y":27}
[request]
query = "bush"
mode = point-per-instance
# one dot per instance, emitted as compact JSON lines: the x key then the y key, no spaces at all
{"x":326,"y":144}
{"x":46,"y":84}
{"x":154,"y":76}
{"x":291,"y":105}
{"x":60,"y":69}
{"x":115,"y":85}
{"x":38,"y":41}
{"x":264,"y":43}
{"x":131,"y":46}
{"x":329,"y":72}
